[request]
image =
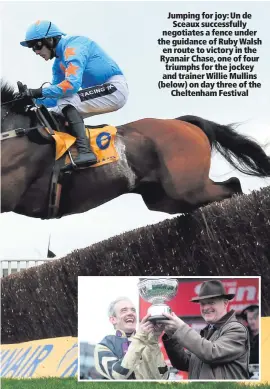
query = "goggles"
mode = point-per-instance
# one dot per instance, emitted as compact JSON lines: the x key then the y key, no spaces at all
{"x":38,"y":43}
{"x":35,"y":44}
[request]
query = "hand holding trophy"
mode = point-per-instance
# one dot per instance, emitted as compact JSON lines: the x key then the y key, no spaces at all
{"x":157,"y":291}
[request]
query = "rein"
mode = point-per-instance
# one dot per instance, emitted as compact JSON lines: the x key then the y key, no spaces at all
{"x":12,"y":101}
{"x":22,"y":131}
{"x":46,"y":123}
{"x":17,"y":131}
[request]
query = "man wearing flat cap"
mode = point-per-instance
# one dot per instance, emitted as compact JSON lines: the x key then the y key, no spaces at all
{"x":221,"y":351}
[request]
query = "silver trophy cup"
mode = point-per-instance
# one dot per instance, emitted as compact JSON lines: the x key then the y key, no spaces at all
{"x":157,"y":291}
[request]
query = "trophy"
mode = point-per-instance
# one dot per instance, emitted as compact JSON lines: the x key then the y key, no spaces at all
{"x":157,"y":291}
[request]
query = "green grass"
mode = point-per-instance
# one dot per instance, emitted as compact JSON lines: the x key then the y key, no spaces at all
{"x":70,"y":383}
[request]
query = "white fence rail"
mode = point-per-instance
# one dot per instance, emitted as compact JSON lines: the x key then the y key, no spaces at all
{"x":11,"y":266}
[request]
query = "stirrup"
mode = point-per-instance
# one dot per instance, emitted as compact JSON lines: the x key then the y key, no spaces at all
{"x":90,"y":159}
{"x":71,"y":166}
{"x":74,"y":166}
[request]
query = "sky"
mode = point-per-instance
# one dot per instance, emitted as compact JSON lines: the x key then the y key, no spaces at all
{"x":93,"y":320}
{"x":128,"y":31}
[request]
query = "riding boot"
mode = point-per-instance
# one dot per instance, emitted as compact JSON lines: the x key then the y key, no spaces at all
{"x":85,"y":155}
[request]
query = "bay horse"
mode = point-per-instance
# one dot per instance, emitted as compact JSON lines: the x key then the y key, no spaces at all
{"x":166,"y":161}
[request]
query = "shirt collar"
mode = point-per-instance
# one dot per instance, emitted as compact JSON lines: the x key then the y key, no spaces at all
{"x":122,"y":334}
{"x":224,"y":319}
{"x":59,"y":46}
{"x":220,"y":322}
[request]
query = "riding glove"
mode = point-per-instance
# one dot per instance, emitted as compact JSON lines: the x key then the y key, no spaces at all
{"x":34,"y":93}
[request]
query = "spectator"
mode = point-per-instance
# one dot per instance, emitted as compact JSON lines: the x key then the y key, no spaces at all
{"x":251,"y":315}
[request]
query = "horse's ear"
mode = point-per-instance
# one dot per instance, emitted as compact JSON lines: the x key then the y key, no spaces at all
{"x":21,"y":87}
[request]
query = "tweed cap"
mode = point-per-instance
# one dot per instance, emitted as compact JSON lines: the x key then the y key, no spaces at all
{"x":212,"y":289}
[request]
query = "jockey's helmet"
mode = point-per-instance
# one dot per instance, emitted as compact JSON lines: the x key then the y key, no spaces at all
{"x":39,"y":30}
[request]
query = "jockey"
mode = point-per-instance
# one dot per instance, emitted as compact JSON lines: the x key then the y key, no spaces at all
{"x":85,"y":82}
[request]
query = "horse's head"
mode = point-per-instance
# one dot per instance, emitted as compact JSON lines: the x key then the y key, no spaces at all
{"x":23,"y":159}
{"x":14,"y":111}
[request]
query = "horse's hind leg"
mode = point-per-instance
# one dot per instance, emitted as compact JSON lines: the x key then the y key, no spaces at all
{"x":218,"y":191}
{"x":156,"y":199}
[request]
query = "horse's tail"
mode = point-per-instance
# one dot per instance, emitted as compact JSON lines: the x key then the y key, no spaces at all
{"x":243,"y":153}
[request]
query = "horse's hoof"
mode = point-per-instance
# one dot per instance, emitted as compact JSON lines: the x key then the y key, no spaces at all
{"x":235,"y":184}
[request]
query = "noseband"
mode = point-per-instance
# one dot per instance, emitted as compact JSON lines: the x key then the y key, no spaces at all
{"x":3,"y":118}
{"x":7,"y":112}
{"x":14,"y":132}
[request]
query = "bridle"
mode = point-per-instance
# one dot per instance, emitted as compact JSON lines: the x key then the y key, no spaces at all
{"x":45,"y":128}
{"x":17,"y":131}
{"x":8,"y":102}
{"x":22,"y":131}
{"x":3,"y":118}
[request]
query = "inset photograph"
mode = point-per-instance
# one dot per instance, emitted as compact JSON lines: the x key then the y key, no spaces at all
{"x":169,"y":328}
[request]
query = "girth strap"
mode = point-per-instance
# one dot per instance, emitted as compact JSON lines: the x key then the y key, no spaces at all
{"x":55,"y":188}
{"x":47,"y":119}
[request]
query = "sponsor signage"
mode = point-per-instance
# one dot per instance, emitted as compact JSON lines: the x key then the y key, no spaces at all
{"x":57,"y":357}
{"x":246,"y":293}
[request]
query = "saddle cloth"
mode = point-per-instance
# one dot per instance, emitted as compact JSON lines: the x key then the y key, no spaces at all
{"x":101,"y":140}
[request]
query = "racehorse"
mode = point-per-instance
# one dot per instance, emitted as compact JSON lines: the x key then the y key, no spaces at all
{"x":166,"y":161}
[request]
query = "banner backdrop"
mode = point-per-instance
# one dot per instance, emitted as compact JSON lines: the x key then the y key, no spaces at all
{"x":56,"y":357}
{"x":246,"y":293}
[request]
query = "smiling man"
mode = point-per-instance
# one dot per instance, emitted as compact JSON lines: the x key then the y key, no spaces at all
{"x":221,"y":351}
{"x":127,"y":353}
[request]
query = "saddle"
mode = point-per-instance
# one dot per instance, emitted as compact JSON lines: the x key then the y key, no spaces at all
{"x":54,"y":129}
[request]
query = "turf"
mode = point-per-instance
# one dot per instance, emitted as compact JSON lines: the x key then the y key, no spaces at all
{"x":70,"y":383}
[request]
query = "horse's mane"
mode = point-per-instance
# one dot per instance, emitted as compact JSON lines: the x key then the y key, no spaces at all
{"x":15,"y":107}
{"x":7,"y":92}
